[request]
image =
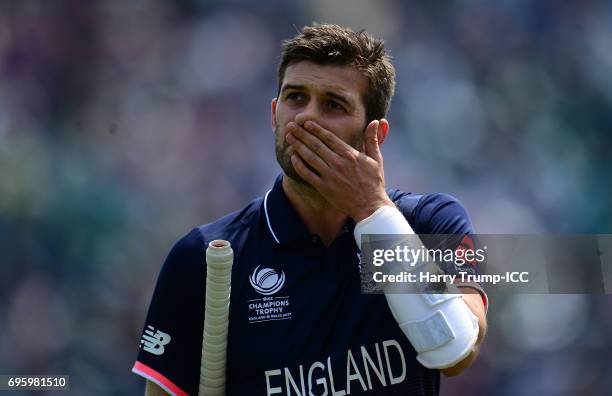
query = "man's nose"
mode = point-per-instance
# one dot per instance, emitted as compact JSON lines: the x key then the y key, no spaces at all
{"x":309,"y":112}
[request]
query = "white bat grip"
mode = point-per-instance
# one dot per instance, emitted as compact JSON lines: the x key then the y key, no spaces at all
{"x":219,"y":260}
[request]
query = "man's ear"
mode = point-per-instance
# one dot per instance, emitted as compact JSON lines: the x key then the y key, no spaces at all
{"x":383,"y":130}
{"x":273,"y":108}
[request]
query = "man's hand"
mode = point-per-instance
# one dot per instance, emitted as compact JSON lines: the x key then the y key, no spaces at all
{"x":350,"y":180}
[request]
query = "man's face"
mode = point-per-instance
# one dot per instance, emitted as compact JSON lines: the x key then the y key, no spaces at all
{"x":329,"y":95}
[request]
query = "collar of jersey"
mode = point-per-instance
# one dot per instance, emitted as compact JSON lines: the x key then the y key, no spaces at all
{"x":283,"y":221}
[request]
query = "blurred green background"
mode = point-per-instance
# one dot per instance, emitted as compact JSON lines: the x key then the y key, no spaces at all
{"x":125,"y":124}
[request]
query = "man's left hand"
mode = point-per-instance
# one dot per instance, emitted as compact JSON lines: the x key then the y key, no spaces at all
{"x":350,"y":180}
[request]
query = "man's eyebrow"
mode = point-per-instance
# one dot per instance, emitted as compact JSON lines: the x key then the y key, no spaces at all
{"x":331,"y":94}
{"x":296,"y":87}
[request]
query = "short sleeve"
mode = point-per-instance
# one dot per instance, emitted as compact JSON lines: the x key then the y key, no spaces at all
{"x":170,"y":347}
{"x":442,"y":222}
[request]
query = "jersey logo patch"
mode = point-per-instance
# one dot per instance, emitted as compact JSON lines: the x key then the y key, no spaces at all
{"x":267,"y":281}
{"x":269,"y":307}
{"x":154,"y":341}
{"x":467,"y":244}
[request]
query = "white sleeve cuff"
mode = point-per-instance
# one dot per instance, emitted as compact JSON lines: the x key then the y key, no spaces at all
{"x":385,"y":220}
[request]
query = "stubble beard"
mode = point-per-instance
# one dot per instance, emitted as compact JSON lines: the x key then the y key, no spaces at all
{"x":284,"y":159}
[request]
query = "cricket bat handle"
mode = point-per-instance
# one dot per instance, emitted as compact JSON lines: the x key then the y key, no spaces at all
{"x":219,"y":260}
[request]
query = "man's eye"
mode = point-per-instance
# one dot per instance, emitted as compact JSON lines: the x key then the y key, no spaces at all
{"x":335,"y":106}
{"x":295,"y":96}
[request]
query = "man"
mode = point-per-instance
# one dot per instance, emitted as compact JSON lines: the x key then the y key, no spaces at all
{"x":307,"y":330}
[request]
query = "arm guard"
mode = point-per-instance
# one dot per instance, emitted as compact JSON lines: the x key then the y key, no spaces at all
{"x":440,"y":327}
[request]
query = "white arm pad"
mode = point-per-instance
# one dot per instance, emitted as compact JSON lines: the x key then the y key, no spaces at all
{"x":385,"y":220}
{"x":440,"y":327}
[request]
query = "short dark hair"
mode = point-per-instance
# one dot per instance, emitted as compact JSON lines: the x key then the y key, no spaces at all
{"x":327,"y":44}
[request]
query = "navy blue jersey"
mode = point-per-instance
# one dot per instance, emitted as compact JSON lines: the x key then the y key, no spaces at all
{"x":298,"y":324}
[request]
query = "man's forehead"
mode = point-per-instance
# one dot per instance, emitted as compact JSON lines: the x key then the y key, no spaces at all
{"x":345,"y":80}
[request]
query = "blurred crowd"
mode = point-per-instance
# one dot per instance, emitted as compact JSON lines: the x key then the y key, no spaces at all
{"x":125,"y":124}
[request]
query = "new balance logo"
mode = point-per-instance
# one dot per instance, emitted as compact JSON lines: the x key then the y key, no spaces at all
{"x":154,"y":341}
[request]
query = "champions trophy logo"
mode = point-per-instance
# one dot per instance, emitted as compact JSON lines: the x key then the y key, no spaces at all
{"x":267,"y":281}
